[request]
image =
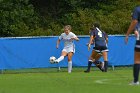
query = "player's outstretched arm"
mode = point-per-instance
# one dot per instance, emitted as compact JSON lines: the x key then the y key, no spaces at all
{"x":77,"y":39}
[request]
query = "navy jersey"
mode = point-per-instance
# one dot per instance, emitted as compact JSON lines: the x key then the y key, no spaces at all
{"x":99,"y":37}
{"x":136,"y":16}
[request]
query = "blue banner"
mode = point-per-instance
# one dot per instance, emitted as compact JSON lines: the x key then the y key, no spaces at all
{"x":34,"y":52}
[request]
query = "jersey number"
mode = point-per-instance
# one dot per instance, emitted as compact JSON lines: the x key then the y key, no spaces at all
{"x":99,"y":33}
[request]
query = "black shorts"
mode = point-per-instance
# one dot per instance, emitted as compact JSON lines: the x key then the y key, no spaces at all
{"x":101,"y":49}
{"x":137,"y":46}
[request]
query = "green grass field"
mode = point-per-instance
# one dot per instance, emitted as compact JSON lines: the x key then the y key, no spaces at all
{"x":50,"y":81}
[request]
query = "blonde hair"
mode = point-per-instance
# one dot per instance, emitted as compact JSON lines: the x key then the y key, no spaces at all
{"x":68,"y":27}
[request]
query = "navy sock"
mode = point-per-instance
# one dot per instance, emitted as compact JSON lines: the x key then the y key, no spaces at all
{"x":136,"y":69}
{"x":97,"y":63}
{"x":89,"y":65}
{"x":106,"y":66}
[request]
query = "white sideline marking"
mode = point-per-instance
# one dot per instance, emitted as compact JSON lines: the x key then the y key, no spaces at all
{"x":101,"y":81}
{"x":106,"y":81}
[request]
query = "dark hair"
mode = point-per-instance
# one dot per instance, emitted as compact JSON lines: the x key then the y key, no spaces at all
{"x":96,"y":25}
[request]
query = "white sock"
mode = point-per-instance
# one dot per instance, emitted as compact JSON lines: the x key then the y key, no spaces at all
{"x":69,"y":66}
{"x":102,"y":65}
{"x":60,"y":58}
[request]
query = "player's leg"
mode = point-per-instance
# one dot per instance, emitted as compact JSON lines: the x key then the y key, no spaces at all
{"x":105,"y":57}
{"x":136,"y":67}
{"x":98,"y":56}
{"x":70,"y":54}
{"x":98,"y":63}
{"x":91,"y":60}
{"x":63,"y":54}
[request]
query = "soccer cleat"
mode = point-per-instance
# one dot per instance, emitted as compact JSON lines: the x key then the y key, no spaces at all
{"x":102,"y":69}
{"x":100,"y":65}
{"x":134,"y":83}
{"x":87,"y":71}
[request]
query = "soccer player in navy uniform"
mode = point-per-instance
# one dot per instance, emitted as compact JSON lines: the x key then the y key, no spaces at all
{"x":100,"y":39}
{"x":95,"y":57}
{"x":135,"y":24}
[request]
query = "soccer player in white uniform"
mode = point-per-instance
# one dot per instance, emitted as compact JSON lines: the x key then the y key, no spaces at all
{"x":69,"y":48}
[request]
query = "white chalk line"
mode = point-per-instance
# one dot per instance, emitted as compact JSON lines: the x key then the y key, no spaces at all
{"x":107,"y":81}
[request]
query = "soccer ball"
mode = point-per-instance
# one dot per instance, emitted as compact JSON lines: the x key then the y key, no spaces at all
{"x":52,"y":59}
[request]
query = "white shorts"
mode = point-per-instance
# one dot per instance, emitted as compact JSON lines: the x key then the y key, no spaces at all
{"x":69,"y":49}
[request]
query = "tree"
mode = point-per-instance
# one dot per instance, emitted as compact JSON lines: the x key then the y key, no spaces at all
{"x":17,"y":18}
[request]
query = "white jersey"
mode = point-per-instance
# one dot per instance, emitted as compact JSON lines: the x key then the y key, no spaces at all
{"x":67,"y":39}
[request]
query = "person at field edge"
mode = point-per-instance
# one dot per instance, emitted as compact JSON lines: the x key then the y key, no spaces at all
{"x":96,"y":57}
{"x":135,"y":24}
{"x":100,"y":39}
{"x":69,"y":48}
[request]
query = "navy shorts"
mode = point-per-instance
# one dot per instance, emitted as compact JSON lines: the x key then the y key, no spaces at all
{"x":137,"y":46}
{"x":101,"y":49}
